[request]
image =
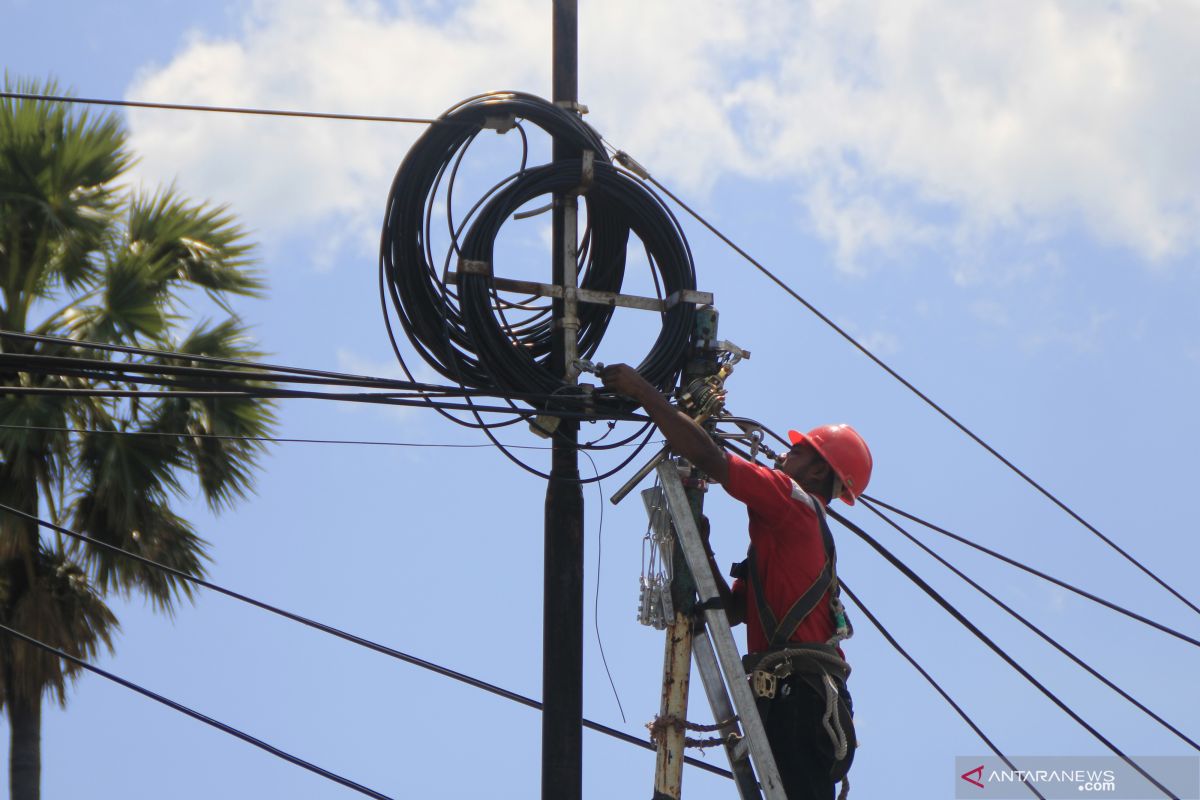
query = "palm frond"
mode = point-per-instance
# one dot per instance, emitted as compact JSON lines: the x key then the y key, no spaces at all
{"x":192,"y":244}
{"x":58,"y":606}
{"x":57,"y":169}
{"x":224,"y":467}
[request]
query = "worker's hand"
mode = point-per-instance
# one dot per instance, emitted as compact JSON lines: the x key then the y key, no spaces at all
{"x":624,"y":379}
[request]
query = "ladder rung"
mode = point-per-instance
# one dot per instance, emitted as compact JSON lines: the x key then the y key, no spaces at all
{"x":741,"y":749}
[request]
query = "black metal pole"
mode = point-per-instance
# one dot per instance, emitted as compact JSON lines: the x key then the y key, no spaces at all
{"x":562,"y":610}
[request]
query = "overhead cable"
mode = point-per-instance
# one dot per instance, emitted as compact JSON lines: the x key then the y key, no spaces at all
{"x":635,"y":168}
{"x":1036,"y":572}
{"x":344,"y":635}
{"x":264,"y":112}
{"x":382,"y":398}
{"x":983,"y":637}
{"x":988,"y":551}
{"x":238,"y":369}
{"x":207,"y":720}
{"x":269,"y":439}
{"x":1034,"y":628}
{"x":937,"y":686}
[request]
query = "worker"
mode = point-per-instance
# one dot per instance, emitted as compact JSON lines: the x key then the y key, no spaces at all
{"x":786,"y":591}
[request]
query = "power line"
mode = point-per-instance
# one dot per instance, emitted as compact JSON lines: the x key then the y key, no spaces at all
{"x":262,"y":112}
{"x":1035,"y":629}
{"x":1036,"y":572}
{"x":207,"y":720}
{"x":269,"y":439}
{"x":388,"y":399}
{"x":346,"y":636}
{"x":101,"y":369}
{"x":983,"y":637}
{"x":937,"y":686}
{"x":1001,"y":557}
{"x":624,"y":159}
{"x":240,"y":369}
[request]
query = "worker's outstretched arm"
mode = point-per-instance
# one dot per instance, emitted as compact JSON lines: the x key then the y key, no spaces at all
{"x":683,"y":434}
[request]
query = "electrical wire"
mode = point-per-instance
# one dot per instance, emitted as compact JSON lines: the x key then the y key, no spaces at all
{"x":937,"y":686}
{"x":267,"y":112}
{"x":1035,"y":629}
{"x":981,"y":548}
{"x":636,"y":169}
{"x":344,"y":635}
{"x":207,"y":720}
{"x":979,"y":634}
{"x":388,"y":399}
{"x":1036,"y":572}
{"x":933,"y":682}
{"x":239,"y":369}
{"x":268,"y":439}
{"x":596,"y":597}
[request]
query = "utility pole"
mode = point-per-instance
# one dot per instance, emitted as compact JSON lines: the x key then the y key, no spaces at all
{"x":677,"y":658}
{"x":562,"y":598}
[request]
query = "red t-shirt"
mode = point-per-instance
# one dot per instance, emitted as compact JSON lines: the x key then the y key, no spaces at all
{"x":790,"y":553}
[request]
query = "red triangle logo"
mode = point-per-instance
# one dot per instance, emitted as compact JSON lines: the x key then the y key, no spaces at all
{"x":977,"y":780}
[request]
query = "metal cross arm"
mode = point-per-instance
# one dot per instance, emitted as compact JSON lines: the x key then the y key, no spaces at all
{"x":554,"y":291}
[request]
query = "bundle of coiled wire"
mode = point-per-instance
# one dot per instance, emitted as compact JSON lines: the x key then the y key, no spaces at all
{"x":464,"y":332}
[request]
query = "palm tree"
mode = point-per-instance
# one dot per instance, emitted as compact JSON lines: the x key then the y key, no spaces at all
{"x":83,"y":258}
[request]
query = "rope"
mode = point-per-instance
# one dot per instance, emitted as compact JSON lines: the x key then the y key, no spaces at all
{"x":660,"y":724}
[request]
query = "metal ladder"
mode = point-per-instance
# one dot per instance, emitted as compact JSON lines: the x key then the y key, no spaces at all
{"x":718,"y":662}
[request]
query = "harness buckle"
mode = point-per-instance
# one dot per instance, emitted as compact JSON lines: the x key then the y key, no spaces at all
{"x":763,"y":684}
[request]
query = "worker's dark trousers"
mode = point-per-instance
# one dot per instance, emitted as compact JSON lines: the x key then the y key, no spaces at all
{"x":802,"y":748}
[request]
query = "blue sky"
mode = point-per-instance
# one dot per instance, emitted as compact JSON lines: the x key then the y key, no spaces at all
{"x":1000,"y":200}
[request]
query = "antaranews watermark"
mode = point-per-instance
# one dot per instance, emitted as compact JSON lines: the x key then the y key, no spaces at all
{"x":1078,"y":777}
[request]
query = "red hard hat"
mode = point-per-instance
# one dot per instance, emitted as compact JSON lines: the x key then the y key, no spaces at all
{"x":846,"y":453}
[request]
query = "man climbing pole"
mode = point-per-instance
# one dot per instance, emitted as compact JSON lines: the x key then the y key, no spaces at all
{"x":786,"y":590}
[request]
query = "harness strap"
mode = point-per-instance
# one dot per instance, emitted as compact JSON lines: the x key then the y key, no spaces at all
{"x":777,"y":631}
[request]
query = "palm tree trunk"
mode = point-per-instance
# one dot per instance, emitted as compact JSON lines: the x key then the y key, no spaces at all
{"x":25,"y":749}
{"x":24,"y":712}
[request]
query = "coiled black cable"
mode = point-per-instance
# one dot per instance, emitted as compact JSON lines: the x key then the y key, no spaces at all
{"x":463,"y":332}
{"x":521,"y":365}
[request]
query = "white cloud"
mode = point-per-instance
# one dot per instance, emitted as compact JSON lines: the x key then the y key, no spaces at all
{"x":898,"y":124}
{"x":1082,"y":337}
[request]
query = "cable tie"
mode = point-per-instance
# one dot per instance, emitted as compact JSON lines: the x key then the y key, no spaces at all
{"x":500,"y":123}
{"x":468,"y":267}
{"x":544,"y":425}
{"x":572,"y":105}
{"x":627,"y":161}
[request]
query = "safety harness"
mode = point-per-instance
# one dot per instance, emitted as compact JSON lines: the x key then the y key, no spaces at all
{"x":779,"y":631}
{"x":819,"y":664}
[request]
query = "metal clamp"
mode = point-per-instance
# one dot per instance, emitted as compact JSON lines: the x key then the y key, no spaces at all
{"x":587,"y":172}
{"x":583,"y":365}
{"x":572,"y":105}
{"x":627,"y":161}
